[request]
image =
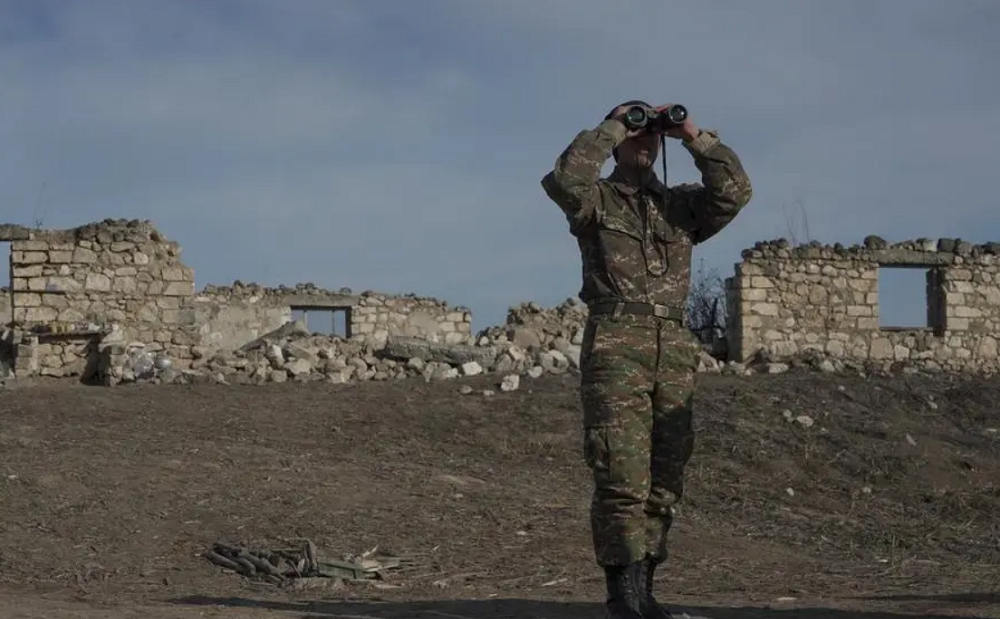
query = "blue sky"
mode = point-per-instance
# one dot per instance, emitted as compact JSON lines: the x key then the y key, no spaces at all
{"x":397,"y":145}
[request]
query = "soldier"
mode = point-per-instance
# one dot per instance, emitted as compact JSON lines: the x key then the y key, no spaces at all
{"x":638,"y":358}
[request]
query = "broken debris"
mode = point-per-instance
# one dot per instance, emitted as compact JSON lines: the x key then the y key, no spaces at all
{"x":283,"y":565}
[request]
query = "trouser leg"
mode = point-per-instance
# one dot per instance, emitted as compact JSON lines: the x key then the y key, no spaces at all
{"x":672,"y":436}
{"x":617,"y":378}
{"x":672,"y":444}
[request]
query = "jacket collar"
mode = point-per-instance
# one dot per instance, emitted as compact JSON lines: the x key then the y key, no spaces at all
{"x":619,"y":182}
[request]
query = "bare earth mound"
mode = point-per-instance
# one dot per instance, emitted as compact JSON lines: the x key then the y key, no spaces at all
{"x":810,"y":496}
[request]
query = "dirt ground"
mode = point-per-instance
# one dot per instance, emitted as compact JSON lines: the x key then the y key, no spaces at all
{"x":886,"y":504}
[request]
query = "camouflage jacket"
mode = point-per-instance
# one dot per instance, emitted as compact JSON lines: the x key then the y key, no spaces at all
{"x":636,"y":242}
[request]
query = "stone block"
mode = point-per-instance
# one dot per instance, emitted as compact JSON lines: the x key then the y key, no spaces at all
{"x":83,"y":255}
{"x":29,"y":257}
{"x":125,"y":285}
{"x":40,"y":315}
{"x":27,"y":299}
{"x":27,"y":271}
{"x":957,"y":324}
{"x":174,"y":274}
{"x":30,"y":245}
{"x":178,"y":289}
{"x":98,"y":282}
{"x":63,"y":284}
{"x":764,"y":309}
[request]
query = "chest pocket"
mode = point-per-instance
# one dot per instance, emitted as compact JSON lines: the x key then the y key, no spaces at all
{"x":663,"y":232}
{"x":619,"y":222}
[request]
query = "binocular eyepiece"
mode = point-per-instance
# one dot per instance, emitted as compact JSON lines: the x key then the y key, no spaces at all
{"x":642,"y":117}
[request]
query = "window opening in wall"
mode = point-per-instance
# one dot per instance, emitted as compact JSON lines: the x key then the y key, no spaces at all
{"x":325,"y":320}
{"x":910,"y":297}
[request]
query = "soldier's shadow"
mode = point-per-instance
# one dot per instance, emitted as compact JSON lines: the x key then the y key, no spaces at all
{"x":519,"y":609}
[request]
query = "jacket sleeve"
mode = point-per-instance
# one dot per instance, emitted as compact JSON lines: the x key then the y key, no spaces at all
{"x":572,"y":183}
{"x":724,"y":191}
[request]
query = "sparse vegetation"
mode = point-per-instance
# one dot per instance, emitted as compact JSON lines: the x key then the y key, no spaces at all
{"x":706,"y":306}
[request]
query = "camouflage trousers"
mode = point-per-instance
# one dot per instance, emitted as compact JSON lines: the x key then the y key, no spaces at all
{"x":637,"y":387}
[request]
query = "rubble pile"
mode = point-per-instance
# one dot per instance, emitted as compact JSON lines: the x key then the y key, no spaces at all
{"x":551,"y":337}
{"x":292,"y":352}
{"x":764,"y":362}
{"x":533,"y":342}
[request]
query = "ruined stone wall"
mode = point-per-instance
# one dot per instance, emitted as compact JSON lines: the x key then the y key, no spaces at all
{"x":68,"y":285}
{"x":71,"y":287}
{"x":788,"y":301}
{"x":378,"y":317}
{"x":239,"y":313}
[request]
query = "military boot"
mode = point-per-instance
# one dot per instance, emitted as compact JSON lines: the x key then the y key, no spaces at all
{"x":651,"y":609}
{"x":624,"y":591}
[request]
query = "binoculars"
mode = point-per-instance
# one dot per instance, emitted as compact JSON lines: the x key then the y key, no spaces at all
{"x":642,"y":117}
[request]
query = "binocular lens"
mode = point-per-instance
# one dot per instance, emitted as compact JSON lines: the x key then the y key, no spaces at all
{"x":636,"y":116}
{"x":677,"y":114}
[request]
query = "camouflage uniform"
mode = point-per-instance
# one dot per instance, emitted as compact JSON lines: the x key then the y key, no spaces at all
{"x":638,"y":359}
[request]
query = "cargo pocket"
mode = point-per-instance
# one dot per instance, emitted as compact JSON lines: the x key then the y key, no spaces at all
{"x":596,"y":452}
{"x":601,"y":365}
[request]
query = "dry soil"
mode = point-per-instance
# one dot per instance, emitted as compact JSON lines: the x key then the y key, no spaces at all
{"x":811,"y":496}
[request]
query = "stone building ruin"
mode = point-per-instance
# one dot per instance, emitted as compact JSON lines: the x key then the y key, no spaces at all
{"x":82,"y":300}
{"x":810,"y":299}
{"x":122,"y":281}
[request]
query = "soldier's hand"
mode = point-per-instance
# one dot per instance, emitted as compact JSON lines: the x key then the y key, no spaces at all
{"x":686,"y":131}
{"x":619,"y":114}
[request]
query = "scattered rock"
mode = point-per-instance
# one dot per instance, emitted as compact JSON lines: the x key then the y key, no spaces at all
{"x":297,"y":367}
{"x":805,"y":421}
{"x":455,"y":354}
{"x":511,"y":382}
{"x":471,"y":368}
{"x":708,"y":363}
{"x":827,"y":366}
